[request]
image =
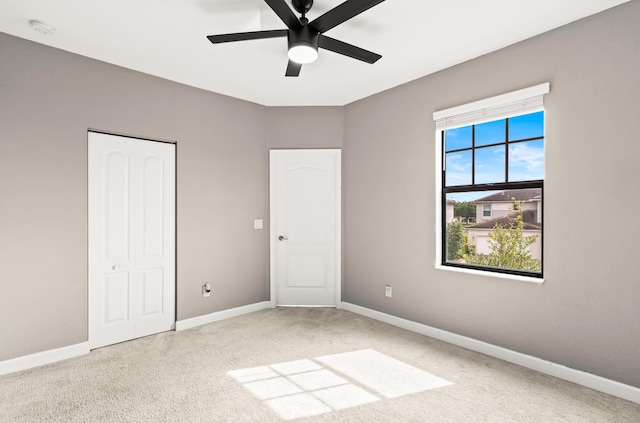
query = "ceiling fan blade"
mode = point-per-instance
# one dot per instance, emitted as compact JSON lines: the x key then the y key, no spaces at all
{"x":340,"y":47}
{"x":284,"y":12}
{"x":293,"y":69}
{"x":341,"y":13}
{"x":242,"y":36}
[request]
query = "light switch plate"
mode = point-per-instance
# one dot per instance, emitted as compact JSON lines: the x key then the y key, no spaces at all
{"x":257,"y":224}
{"x":388,"y":291}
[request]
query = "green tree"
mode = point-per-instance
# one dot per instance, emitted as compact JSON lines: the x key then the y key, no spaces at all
{"x":466,"y":209}
{"x":508,"y":246}
{"x":456,"y":238}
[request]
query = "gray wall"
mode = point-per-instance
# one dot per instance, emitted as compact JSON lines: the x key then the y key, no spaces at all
{"x":586,"y":314}
{"x":304,"y":127}
{"x":48,"y":100}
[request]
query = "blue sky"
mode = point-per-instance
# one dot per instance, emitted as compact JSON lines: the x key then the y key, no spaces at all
{"x":526,"y":159}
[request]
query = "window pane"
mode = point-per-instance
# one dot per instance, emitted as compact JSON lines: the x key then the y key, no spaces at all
{"x":526,"y":126}
{"x":526,"y":161}
{"x":458,"y":168}
{"x":457,"y":138}
{"x":509,"y":239}
{"x":490,"y":132}
{"x":490,"y":165}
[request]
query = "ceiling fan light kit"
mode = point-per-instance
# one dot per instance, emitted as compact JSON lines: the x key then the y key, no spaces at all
{"x":303,"y":45}
{"x":303,"y":53}
{"x":304,"y":37}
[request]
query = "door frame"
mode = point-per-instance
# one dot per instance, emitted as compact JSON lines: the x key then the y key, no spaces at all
{"x":272,"y":221}
{"x":175,"y":224}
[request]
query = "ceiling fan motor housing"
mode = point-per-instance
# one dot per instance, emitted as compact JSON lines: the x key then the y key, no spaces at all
{"x":304,"y":35}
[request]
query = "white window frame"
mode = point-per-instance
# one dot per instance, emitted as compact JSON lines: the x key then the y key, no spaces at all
{"x":526,"y":100}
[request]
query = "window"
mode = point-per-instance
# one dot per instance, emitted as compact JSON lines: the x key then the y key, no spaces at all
{"x":491,"y":165}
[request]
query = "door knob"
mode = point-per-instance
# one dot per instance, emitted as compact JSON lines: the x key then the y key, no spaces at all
{"x":282,"y":237}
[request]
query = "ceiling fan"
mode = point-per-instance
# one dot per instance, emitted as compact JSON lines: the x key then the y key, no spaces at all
{"x":306,"y":37}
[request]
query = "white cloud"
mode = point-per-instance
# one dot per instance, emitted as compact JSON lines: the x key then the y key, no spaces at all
{"x":458,"y":162}
{"x":523,"y":155}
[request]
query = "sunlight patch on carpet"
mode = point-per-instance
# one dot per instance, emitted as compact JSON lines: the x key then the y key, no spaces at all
{"x":293,"y":367}
{"x":309,"y":387}
{"x":389,"y":377}
{"x":345,"y":396}
{"x":317,"y":380}
{"x":272,"y":388}
{"x":252,"y":374}
{"x":297,"y":406}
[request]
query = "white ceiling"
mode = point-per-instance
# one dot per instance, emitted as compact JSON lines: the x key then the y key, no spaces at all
{"x":167,"y":38}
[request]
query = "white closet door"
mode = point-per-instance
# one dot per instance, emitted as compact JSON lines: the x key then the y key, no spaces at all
{"x":131,"y":238}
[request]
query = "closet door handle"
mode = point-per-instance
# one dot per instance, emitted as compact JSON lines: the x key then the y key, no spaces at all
{"x":283,"y":238}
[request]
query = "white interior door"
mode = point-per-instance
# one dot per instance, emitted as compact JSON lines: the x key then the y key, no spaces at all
{"x":305,"y":227}
{"x":131,"y":238}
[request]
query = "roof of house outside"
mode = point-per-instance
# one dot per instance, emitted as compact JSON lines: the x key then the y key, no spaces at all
{"x":528,"y":218}
{"x":527,"y":194}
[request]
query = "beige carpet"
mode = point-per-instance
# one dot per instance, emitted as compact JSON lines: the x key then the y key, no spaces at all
{"x":284,"y":364}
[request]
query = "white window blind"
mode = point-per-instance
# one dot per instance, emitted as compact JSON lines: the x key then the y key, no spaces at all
{"x":526,"y":100}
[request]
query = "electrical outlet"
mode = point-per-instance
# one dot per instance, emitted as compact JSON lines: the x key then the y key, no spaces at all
{"x":387,"y":291}
{"x":206,"y":290}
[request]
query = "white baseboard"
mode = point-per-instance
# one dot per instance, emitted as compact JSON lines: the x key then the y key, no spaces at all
{"x":589,"y":380}
{"x":220,"y":315}
{"x":42,"y":358}
{"x":71,"y":351}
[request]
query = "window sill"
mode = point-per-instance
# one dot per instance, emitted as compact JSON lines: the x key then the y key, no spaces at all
{"x":527,"y":279}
